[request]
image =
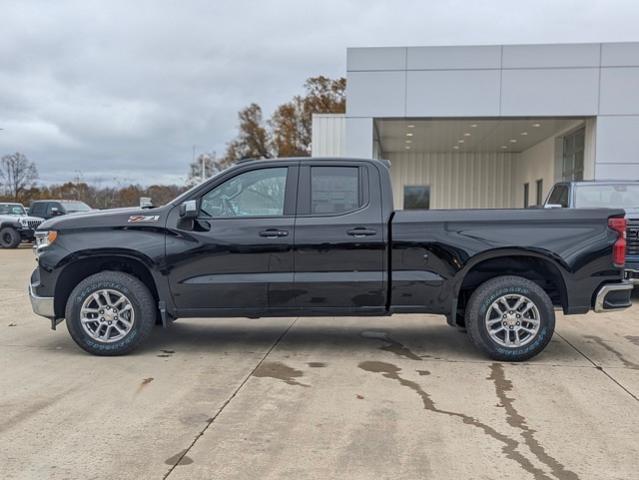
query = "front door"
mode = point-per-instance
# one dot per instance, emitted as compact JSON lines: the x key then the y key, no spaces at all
{"x":339,"y":238}
{"x":238,"y":252}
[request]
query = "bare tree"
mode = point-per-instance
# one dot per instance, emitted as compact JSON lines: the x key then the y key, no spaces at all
{"x":211,"y":166}
{"x":17,"y":174}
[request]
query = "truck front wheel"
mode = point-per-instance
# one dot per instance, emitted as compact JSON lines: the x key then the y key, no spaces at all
{"x":9,"y":237}
{"x":510,"y":318}
{"x":110,"y":313}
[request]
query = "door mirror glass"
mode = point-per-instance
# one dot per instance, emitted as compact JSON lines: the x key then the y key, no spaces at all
{"x":188,"y":209}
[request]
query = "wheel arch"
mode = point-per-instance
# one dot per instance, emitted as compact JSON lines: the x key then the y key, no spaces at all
{"x":539,"y":267}
{"x":79,"y":268}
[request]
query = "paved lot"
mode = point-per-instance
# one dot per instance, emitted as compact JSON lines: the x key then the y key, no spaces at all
{"x":321,"y":398}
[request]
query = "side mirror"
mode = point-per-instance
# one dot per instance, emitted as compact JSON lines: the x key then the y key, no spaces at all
{"x":188,"y":209}
{"x":553,"y":205}
{"x":55,"y":212}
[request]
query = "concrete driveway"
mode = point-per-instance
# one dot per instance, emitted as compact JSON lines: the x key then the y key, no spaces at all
{"x":318,"y":398}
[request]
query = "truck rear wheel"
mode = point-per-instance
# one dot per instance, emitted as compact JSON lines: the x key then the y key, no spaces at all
{"x":510,"y":318}
{"x":110,"y":313}
{"x":9,"y":237}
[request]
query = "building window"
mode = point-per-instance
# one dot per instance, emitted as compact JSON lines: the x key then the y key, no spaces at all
{"x":416,"y":197}
{"x":540,"y":191}
{"x":526,"y":188}
{"x":573,"y":155}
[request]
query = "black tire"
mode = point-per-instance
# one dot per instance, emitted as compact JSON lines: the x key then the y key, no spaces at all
{"x":141,"y":301}
{"x":9,"y":237}
{"x":481,"y":301}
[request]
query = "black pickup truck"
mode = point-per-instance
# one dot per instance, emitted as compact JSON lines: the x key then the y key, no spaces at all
{"x":303,"y":237}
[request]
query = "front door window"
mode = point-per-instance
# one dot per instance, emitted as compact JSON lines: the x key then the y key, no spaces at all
{"x":258,"y":193}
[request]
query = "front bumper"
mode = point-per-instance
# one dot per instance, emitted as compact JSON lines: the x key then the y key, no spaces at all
{"x":42,"y":306}
{"x":27,"y":235}
{"x":613,"y":296}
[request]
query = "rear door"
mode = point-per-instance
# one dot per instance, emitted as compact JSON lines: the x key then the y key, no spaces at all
{"x":339,"y":238}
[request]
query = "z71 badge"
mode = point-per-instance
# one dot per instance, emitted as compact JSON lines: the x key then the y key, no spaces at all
{"x":143,"y":218}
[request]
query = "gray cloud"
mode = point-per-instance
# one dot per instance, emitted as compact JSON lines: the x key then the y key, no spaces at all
{"x":122,"y":90}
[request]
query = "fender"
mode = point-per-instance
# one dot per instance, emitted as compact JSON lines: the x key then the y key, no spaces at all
{"x":553,"y":259}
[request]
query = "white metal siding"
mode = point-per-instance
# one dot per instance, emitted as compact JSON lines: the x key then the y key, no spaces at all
{"x":328,"y":135}
{"x":457,"y":180}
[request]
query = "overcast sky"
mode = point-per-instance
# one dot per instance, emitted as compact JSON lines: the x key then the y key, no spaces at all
{"x":120,"y":91}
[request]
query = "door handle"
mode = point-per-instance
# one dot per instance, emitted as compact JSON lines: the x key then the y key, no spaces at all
{"x":361,"y":232}
{"x":273,"y":233}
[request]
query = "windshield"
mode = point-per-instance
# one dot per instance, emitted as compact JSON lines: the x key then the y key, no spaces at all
{"x":606,"y":196}
{"x":71,"y":207}
{"x":12,"y":209}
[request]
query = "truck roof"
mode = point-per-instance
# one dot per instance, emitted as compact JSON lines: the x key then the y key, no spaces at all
{"x":599,"y":182}
{"x":302,"y":160}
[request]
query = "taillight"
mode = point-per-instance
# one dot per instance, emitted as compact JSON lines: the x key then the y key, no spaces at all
{"x":619,"y":248}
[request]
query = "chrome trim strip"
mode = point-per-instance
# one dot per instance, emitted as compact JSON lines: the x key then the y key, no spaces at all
{"x":605,"y":290}
{"x":42,"y":306}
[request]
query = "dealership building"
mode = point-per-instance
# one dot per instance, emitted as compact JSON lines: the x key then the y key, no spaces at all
{"x":489,"y":126}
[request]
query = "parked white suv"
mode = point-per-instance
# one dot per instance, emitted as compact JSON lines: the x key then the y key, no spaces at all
{"x":16,"y":225}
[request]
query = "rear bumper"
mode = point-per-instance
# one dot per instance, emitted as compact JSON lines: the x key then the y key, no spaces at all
{"x":632,"y":274}
{"x":42,"y":306}
{"x":613,"y":296}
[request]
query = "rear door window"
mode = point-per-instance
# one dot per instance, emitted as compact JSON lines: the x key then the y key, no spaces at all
{"x":334,"y":190}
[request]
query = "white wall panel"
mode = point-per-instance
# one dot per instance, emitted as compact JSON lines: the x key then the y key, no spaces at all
{"x":457,"y":180}
{"x":375,"y":94}
{"x":551,"y":56}
{"x":435,"y":93}
{"x":550,"y":92}
{"x":329,"y":135}
{"x":384,"y":58}
{"x":617,"y":147}
{"x":538,"y":162}
{"x":445,"y":58}
{"x":620,"y":54}
{"x":359,"y":138}
{"x":619,"y":91}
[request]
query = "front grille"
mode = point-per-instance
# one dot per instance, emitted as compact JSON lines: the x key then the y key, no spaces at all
{"x":33,"y":224}
{"x":632,"y":237}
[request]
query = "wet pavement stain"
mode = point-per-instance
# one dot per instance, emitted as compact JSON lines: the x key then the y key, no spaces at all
{"x":316,"y":364}
{"x":423,"y":372}
{"x":359,"y":397}
{"x":164,"y":355}
{"x":33,"y":409}
{"x":179,"y":459}
{"x":144,"y":383}
{"x":393,"y":345}
{"x":633,"y":339}
{"x":600,"y":341}
{"x":518,"y":421}
{"x":281,"y":372}
{"x":509,"y":448}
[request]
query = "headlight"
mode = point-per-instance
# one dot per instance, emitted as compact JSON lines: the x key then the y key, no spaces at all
{"x":43,"y":239}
